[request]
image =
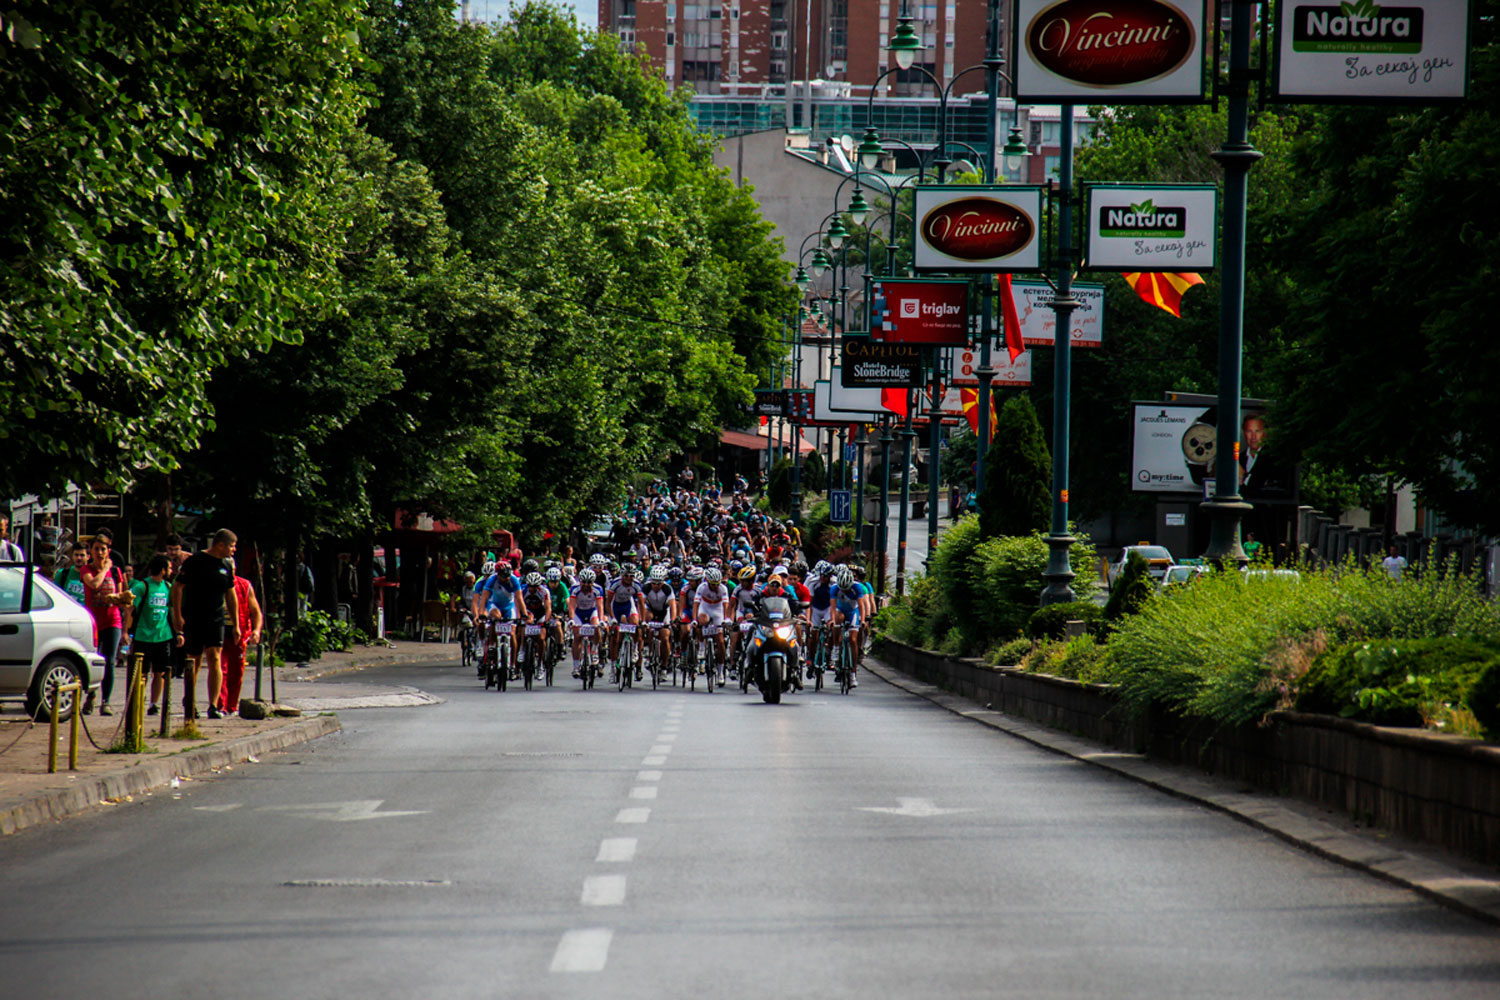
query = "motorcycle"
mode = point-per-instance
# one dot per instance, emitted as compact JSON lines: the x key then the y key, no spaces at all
{"x":774,"y":653}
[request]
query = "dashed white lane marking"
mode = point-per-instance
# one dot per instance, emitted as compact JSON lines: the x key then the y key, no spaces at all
{"x":583,"y":950}
{"x":661,"y":748}
{"x":643,"y":792}
{"x":648,"y":776}
{"x":655,"y":760}
{"x":616,"y":849}
{"x":638,"y":814}
{"x":666,"y":737}
{"x":603,"y":890}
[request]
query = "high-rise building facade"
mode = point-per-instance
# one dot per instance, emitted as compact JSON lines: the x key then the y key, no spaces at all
{"x":753,"y":48}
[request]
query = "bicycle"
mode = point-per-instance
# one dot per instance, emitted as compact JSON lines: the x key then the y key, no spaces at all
{"x":531,"y":652}
{"x":655,"y":650}
{"x":554,"y":651}
{"x":710,"y":658}
{"x":499,"y":666}
{"x":688,"y":662}
{"x":845,"y":669}
{"x":625,"y":661}
{"x":466,"y":641}
{"x":589,"y":668}
{"x":818,"y":657}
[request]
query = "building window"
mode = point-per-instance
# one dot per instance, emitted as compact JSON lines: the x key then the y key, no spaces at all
{"x":1050,"y":166}
{"x":778,"y":41}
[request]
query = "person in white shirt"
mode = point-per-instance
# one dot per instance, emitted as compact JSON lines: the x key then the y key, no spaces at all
{"x":1394,"y":564}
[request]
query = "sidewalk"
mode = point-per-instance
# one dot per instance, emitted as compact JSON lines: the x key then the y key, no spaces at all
{"x":29,"y":795}
{"x":1453,"y":882}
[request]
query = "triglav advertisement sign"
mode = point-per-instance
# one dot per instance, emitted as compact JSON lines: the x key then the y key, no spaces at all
{"x":969,"y":228}
{"x":963,"y":367}
{"x":1109,"y":51}
{"x":866,"y":362}
{"x":1413,"y":50}
{"x":1152,"y":227}
{"x":1039,"y":321}
{"x":922,"y":312}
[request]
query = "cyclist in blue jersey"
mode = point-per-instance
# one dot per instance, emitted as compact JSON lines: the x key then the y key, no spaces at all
{"x":622,"y":604}
{"x":847,"y":600}
{"x":496,"y":598}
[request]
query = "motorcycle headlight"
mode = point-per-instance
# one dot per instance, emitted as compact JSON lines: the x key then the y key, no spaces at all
{"x":785,"y":632}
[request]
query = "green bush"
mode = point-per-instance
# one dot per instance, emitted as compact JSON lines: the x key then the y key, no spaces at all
{"x":1228,"y":647}
{"x":1395,"y":682}
{"x":1483,"y":699}
{"x":1009,"y":654}
{"x":814,"y":473}
{"x":951,"y":573}
{"x":316,"y":633}
{"x":1132,"y":589}
{"x":1051,"y":622}
{"x":1007,"y":572}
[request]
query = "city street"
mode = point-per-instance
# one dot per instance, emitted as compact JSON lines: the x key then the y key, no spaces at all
{"x":673,"y":844}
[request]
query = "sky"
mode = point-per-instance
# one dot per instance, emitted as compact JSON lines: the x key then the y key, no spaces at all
{"x":494,"y":10}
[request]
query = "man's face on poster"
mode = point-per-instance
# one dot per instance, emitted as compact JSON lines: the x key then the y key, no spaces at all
{"x":1254,"y":433}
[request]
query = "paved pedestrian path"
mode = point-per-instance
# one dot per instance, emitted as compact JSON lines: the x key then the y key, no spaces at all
{"x":30,"y":795}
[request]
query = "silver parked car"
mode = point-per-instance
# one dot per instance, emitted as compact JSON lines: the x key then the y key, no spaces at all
{"x":45,"y":636}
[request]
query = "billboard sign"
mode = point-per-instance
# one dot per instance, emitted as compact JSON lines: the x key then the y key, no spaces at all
{"x":923,"y":312}
{"x":1348,"y":53}
{"x":963,"y":367}
{"x":770,"y":403}
{"x":852,"y":401}
{"x":1110,"y":51}
{"x":1039,"y":322}
{"x":971,"y":228}
{"x":824,"y":413}
{"x":870,"y":363}
{"x":1175,"y":449}
{"x":1152,"y":227}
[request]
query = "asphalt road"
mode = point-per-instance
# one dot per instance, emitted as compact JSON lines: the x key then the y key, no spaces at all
{"x":662,"y":844}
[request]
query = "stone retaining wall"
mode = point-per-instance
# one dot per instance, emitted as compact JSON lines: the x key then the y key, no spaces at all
{"x":1444,"y":790}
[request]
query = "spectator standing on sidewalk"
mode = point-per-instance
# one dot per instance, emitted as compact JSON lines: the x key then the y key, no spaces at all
{"x":247,"y":634}
{"x":154,"y":638}
{"x":9,"y":550}
{"x":203,"y":609}
{"x":70,"y":577}
{"x":177,"y":554}
{"x":105,"y":593}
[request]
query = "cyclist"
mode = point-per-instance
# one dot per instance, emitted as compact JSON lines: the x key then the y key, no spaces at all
{"x":745,"y":596}
{"x":623,"y":607}
{"x":584,"y":604}
{"x":536,"y":608}
{"x":847,"y":601}
{"x":685,"y":585}
{"x":710,"y":601}
{"x":660,"y":602}
{"x":867,"y":607}
{"x":496,"y":597}
{"x":560,"y":593}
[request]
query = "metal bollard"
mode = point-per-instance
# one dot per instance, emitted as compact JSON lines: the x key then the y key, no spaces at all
{"x":190,"y":689}
{"x":58,"y":690}
{"x":166,"y":703}
{"x":134,"y":721}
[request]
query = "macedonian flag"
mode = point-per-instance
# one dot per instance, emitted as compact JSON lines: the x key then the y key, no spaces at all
{"x":1163,"y":288}
{"x":969,"y":399}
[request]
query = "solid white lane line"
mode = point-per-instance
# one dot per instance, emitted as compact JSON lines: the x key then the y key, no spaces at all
{"x":643,"y":792}
{"x":648,"y":776}
{"x":655,"y":760}
{"x":603,"y":890}
{"x":616,"y":849}
{"x":661,"y":748}
{"x":583,"y":950}
{"x":638,"y":814}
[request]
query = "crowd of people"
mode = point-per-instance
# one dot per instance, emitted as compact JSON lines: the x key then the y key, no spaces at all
{"x":683,"y":563}
{"x":177,"y":608}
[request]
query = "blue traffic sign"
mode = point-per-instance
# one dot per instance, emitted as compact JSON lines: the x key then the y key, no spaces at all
{"x":840,"y":506}
{"x":851,"y":452}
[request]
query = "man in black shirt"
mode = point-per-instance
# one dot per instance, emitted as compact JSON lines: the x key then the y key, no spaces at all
{"x":203,"y":606}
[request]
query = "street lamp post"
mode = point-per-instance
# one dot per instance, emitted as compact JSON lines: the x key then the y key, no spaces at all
{"x":1236,"y":156}
{"x":1059,"y":573}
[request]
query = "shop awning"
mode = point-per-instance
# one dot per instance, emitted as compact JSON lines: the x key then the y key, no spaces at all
{"x":756,"y":442}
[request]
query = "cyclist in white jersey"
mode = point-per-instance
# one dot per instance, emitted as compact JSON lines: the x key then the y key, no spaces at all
{"x":710,"y":603}
{"x":585,"y":604}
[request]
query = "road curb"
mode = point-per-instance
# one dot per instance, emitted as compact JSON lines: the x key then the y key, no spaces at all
{"x":93,"y":790}
{"x":319,"y":669}
{"x":1451,"y":887}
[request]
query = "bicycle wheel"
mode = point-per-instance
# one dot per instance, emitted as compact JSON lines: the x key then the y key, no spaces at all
{"x":654,"y":664}
{"x":623,"y":665}
{"x":502,"y":662}
{"x":553,"y":654}
{"x":817,"y":668}
{"x":711,"y":664}
{"x":846,"y":666}
{"x":487,"y":666}
{"x":529,"y":671}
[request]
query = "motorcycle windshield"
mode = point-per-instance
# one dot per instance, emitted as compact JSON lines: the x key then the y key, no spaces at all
{"x":776,"y":608}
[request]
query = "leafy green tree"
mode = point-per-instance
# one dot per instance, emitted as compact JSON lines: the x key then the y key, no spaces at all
{"x":1132,"y":589}
{"x":1017,"y":490}
{"x":958,"y":459}
{"x":164,"y":185}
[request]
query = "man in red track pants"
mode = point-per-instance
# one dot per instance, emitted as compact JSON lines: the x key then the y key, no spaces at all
{"x":250,"y":622}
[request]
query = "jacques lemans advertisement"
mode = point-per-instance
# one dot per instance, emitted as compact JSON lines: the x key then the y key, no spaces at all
{"x":970,"y":228}
{"x":1152,"y":227}
{"x":1413,"y":50}
{"x":1109,"y":51}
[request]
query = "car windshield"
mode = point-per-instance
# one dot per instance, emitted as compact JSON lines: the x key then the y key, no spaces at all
{"x":1179,"y":574}
{"x":1151,"y":552}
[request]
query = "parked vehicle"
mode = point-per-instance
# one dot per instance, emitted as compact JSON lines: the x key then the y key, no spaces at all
{"x":45,"y":637}
{"x":1157,"y":560}
{"x":598,"y":533}
{"x":1180,"y":574}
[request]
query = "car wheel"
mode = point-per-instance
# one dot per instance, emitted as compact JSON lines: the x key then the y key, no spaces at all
{"x":39,"y":699}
